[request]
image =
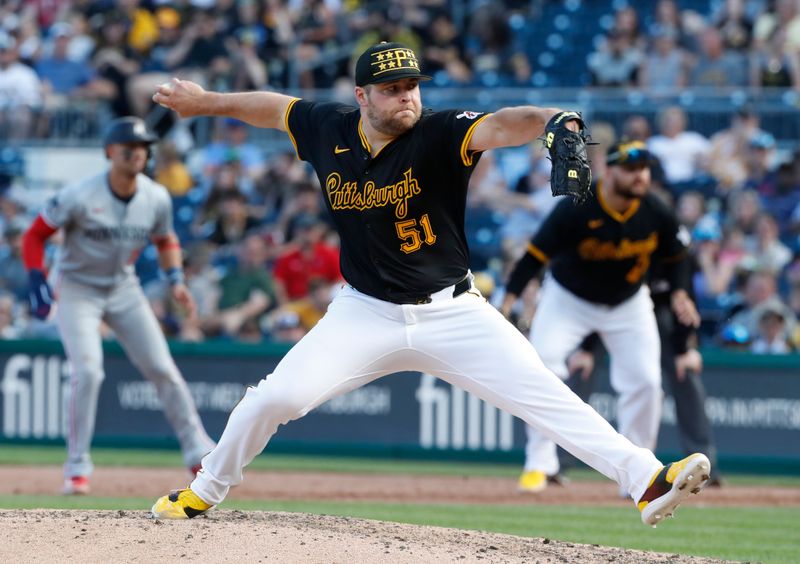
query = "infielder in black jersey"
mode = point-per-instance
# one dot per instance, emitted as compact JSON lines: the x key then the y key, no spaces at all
{"x":394,"y":178}
{"x":599,"y":255}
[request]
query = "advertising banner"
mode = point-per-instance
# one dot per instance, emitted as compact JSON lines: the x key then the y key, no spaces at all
{"x":755,"y":411}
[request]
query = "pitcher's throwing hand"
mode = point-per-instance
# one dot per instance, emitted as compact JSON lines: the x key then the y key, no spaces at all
{"x":181,"y":96}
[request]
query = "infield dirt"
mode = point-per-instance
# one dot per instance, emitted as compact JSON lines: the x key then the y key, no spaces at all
{"x":46,"y":535}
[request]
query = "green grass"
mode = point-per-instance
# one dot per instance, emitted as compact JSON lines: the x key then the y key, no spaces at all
{"x":162,"y":458}
{"x":761,"y":534}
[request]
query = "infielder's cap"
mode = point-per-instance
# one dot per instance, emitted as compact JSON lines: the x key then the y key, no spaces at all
{"x":128,"y":129}
{"x":627,"y":153}
{"x":385,"y":62}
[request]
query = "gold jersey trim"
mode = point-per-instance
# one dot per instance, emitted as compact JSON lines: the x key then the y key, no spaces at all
{"x":537,"y":252}
{"x":286,"y":125}
{"x":615,"y":215}
{"x":363,"y":137}
{"x":466,"y":155}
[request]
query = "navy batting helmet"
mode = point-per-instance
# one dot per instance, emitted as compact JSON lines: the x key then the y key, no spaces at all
{"x":128,"y":130}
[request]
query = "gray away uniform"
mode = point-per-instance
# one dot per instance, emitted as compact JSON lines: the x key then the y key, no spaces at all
{"x":103,"y":236}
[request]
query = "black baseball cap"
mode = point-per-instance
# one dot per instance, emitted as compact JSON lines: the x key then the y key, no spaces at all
{"x":386,"y":62}
{"x":628,"y":153}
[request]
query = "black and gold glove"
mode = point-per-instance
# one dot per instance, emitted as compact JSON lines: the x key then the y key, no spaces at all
{"x":570,"y":175}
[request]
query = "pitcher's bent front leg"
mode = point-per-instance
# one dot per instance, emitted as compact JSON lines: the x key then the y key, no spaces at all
{"x":348,"y":348}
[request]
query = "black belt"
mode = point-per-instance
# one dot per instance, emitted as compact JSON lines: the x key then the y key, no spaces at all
{"x":460,"y":287}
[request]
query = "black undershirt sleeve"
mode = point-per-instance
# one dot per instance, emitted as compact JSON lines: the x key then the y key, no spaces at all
{"x":525,"y":270}
{"x":676,"y":272}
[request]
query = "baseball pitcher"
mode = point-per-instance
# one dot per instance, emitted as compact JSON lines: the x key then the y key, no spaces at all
{"x":394,"y":178}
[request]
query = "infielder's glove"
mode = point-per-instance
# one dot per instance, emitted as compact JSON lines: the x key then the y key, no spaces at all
{"x":39,"y":294}
{"x":570,"y":174}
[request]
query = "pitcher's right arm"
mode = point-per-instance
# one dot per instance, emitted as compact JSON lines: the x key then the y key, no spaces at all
{"x":261,"y":109}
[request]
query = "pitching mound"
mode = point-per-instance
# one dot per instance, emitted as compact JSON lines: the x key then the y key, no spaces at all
{"x":45,"y":535}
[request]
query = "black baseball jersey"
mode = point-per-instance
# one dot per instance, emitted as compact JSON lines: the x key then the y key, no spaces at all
{"x":400,"y":214}
{"x":603,"y":256}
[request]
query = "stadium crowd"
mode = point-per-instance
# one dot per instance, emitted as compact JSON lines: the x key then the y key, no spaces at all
{"x":261,"y":258}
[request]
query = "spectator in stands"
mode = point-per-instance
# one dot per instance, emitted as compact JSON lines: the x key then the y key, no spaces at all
{"x":280,"y":37}
{"x":249,"y":72}
{"x":682,"y":153}
{"x":626,"y":25}
{"x":734,"y":25}
{"x":247,"y":291}
{"x":774,"y":332}
{"x":616,"y":63}
{"x":155,"y":67}
{"x":13,"y":276}
{"x":315,"y":29}
{"x":766,"y":252}
{"x":529,"y":200}
{"x":65,"y":80}
{"x":20,"y":92}
{"x":234,"y":221}
{"x":143,"y":29}
{"x":443,"y":53}
{"x":200,"y":54}
{"x":233,"y":145}
{"x":761,"y":175}
{"x":731,"y":148}
{"x":744,"y":208}
{"x":760,"y":292}
{"x":663,"y":69}
{"x":668,"y":17}
{"x":691,"y":208}
{"x":717,"y":67}
{"x":717,"y":258}
{"x":203,"y":282}
{"x":771,"y":65}
{"x":780,"y":190}
{"x":307,"y":257}
{"x":9,"y":318}
{"x":285,"y":327}
{"x":290,"y":322}
{"x":82,"y":43}
{"x":170,"y":171}
{"x":490,"y":49}
{"x":794,"y":304}
{"x":306,"y":201}
{"x":113,"y":58}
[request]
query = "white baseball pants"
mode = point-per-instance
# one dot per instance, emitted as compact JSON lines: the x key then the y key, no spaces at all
{"x":126,"y":310}
{"x":629,"y":332}
{"x":462,"y":340}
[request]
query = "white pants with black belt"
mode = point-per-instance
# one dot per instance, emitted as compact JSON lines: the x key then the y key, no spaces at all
{"x":629,"y":333}
{"x":462,"y":340}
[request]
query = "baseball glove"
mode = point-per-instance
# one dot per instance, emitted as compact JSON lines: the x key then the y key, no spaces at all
{"x":570,"y":175}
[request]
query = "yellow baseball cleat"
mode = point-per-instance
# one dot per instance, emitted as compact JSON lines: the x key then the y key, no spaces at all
{"x":179,"y":504}
{"x":671,"y":486}
{"x":532,"y":481}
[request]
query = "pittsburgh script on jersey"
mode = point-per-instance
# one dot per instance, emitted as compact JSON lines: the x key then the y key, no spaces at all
{"x":595,"y":249}
{"x":347,"y":196}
